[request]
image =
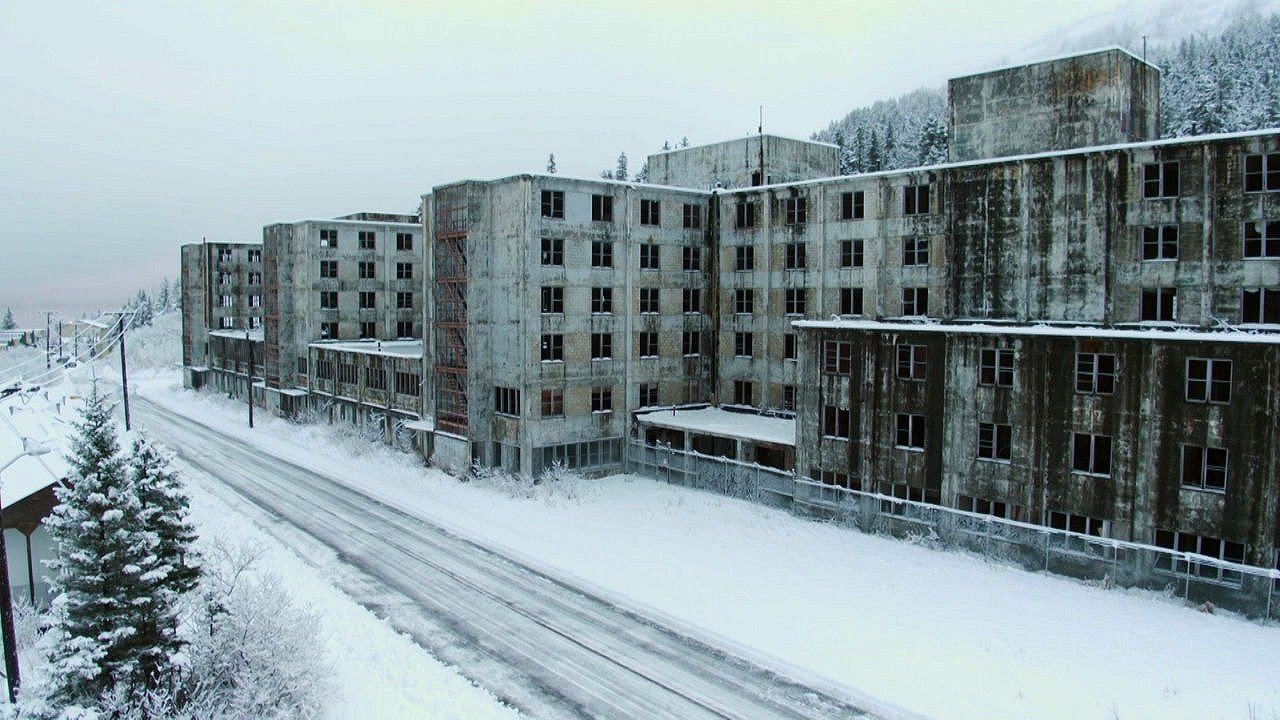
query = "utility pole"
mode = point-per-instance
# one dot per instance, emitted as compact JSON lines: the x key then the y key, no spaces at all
{"x":124,"y":373}
{"x":248,"y":378}
{"x":59,"y":339}
{"x":48,"y":361}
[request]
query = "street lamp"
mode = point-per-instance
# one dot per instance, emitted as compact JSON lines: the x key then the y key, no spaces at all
{"x":29,"y":447}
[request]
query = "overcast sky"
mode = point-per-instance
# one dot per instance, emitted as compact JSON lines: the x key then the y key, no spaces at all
{"x":131,"y":128}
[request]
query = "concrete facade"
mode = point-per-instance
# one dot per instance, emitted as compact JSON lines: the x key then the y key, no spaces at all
{"x":222,"y":289}
{"x":753,"y":160}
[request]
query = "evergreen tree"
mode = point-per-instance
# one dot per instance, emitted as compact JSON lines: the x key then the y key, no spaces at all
{"x":9,"y":322}
{"x":551,"y":163}
{"x":103,"y":572}
{"x":860,"y":150}
{"x":162,"y":297}
{"x":665,"y":146}
{"x":933,"y":143}
{"x":175,"y":293}
{"x":684,"y":142}
{"x":874,"y":158}
{"x":621,"y":172}
{"x":643,"y":175}
{"x":141,"y":308}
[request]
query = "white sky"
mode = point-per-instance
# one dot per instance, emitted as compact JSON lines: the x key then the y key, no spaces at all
{"x":131,"y":128}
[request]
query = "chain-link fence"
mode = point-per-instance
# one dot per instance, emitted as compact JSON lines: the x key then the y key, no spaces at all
{"x":1198,"y":579}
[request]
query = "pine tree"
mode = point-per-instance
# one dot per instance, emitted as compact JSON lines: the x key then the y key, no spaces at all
{"x":162,"y":297}
{"x":665,"y":146}
{"x":551,"y":164}
{"x":684,"y":142}
{"x":175,"y":292}
{"x":621,"y":172}
{"x":141,"y":308}
{"x":643,"y":175}
{"x":103,"y":572}
{"x":933,"y":143}
{"x":9,"y":322}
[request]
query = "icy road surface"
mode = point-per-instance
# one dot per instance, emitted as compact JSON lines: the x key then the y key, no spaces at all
{"x":539,"y":644}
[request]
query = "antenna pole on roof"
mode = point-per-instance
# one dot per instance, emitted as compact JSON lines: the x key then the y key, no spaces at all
{"x":1144,"y":48}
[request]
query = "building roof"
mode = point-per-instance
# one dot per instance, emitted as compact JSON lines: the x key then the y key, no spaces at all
{"x":1057,"y":58}
{"x":36,"y":416}
{"x":715,"y":421}
{"x":388,"y":348}
{"x":1160,"y":333}
{"x":255,"y":334}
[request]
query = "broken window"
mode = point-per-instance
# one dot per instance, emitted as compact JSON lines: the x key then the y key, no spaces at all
{"x":552,"y":252}
{"x":552,"y":348}
{"x":368,"y":300}
{"x":796,"y":210}
{"x":744,"y":301}
{"x":745,"y":213}
{"x":367,"y":240}
{"x":328,"y":238}
{"x":789,"y":348}
{"x":601,"y":399}
{"x":1204,"y":468}
{"x":1091,"y":454}
{"x":648,"y":256}
{"x":742,"y":344}
{"x":553,"y":204}
{"x":328,"y":268}
{"x":650,"y":212}
{"x":368,"y":329}
{"x":602,"y":208}
{"x":915,"y":301}
{"x":328,"y":300}
{"x":1159,"y":305}
{"x":224,"y":255}
{"x":1160,"y":242}
{"x":850,"y":253}
{"x":601,"y":300}
{"x":404,"y":242}
{"x":255,"y":256}
{"x":329,"y":331}
{"x":506,"y":401}
{"x":744,"y":258}
{"x":915,"y":251}
{"x":1262,"y":239}
{"x":692,"y":217}
{"x":601,"y":253}
{"x":1095,"y":373}
{"x":995,"y":367}
{"x":1260,"y":305}
{"x":367,"y":270}
{"x":1081,"y":524}
{"x":851,"y":205}
{"x":404,"y":271}
{"x":1262,"y":172}
{"x":795,"y":301}
{"x":1208,"y":380}
{"x":915,"y":200}
{"x":910,"y":431}
{"x":552,"y":403}
{"x":691,"y":301}
{"x":995,"y":441}
{"x":405,"y":329}
{"x":552,"y":300}
{"x":837,"y":357}
{"x":912,"y":361}
{"x":1210,"y":547}
{"x":850,"y":301}
{"x":691,"y":343}
{"x":647,"y":394}
{"x":601,"y":346}
{"x":789,"y":397}
{"x":1160,"y":180}
{"x":648,"y":344}
{"x":692,"y":258}
{"x":794,"y":256}
{"x":648,"y":300}
{"x":743,"y":392}
{"x":404,"y":300}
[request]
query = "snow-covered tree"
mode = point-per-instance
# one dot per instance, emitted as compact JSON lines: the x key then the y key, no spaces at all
{"x":140,"y":306}
{"x":665,"y":146}
{"x":933,"y":143}
{"x":162,"y":296}
{"x":621,"y":172}
{"x":9,"y":322}
{"x":551,"y":163}
{"x":684,"y":142}
{"x":104,"y":572}
{"x":643,"y":175}
{"x":606,"y":174}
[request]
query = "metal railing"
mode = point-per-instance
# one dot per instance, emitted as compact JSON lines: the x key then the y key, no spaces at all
{"x":1198,"y":579}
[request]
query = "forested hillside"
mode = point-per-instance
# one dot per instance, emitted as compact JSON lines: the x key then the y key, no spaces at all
{"x":1222,"y":83}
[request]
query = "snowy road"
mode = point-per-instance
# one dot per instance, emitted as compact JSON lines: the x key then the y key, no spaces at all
{"x":545,"y":647}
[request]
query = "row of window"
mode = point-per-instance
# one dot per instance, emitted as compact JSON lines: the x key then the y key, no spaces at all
{"x":369,"y":329}
{"x":366,"y":300}
{"x":366,"y":240}
{"x":1261,"y":240}
{"x":552,"y":300}
{"x":225,"y":255}
{"x":551,"y":345}
{"x":1261,"y":174}
{"x":406,"y":383}
{"x":229,"y":323}
{"x":367,"y":270}
{"x":552,"y":206}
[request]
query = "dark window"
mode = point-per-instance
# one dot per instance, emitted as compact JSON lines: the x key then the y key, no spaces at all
{"x":835,"y":422}
{"x":1082,"y":524}
{"x":1211,"y":547}
{"x":648,"y":394}
{"x":796,"y":210}
{"x":648,"y":256}
{"x":915,"y":301}
{"x":1091,"y":453}
{"x":789,"y":397}
{"x":601,"y":346}
{"x":915,"y":251}
{"x":404,"y":271}
{"x":375,"y":375}
{"x":553,"y":203}
{"x":692,"y":258}
{"x":404,"y":329}
{"x":1260,"y":306}
{"x":601,"y":253}
{"x":745,"y":214}
{"x":552,"y":403}
{"x":328,"y":300}
{"x":368,"y":329}
{"x":691,"y":343}
{"x":601,"y":300}
{"x":744,"y":301}
{"x":506,"y":401}
{"x":910,"y":431}
{"x":743,"y":392}
{"x":1160,"y":242}
{"x":648,"y":344}
{"x":1208,"y":380}
{"x":850,"y":253}
{"x":795,"y":301}
{"x":1262,"y":239}
{"x":255,"y":256}
{"x":1204,"y":467}
{"x":1160,"y":180}
{"x":912,"y":361}
{"x":789,"y":348}
{"x":650,"y":212}
{"x":367,"y":240}
{"x":1262,"y":172}
{"x":742,"y":344}
{"x":368,"y":300}
{"x":995,"y":441}
{"x":794,"y":256}
{"x":553,"y":251}
{"x":602,"y":208}
{"x":552,"y":348}
{"x":404,"y":241}
{"x":692,"y":300}
{"x":367,"y":270}
{"x":328,"y":268}
{"x":851,"y":205}
{"x":553,"y":300}
{"x":692,"y":217}
{"x":1095,"y":373}
{"x":601,"y":399}
{"x":915,"y":199}
{"x":995,"y":367}
{"x":404,"y":300}
{"x":837,"y":357}
{"x":1159,"y":304}
{"x":649,"y":300}
{"x":850,"y":301}
{"x":744,"y":258}
{"x":329,"y":331}
{"x":328,"y":238}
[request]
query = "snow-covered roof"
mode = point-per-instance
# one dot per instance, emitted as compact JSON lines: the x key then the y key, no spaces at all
{"x":35,"y":416}
{"x":389,"y":348}
{"x":714,"y":421}
{"x":1058,"y":58}
{"x":740,"y":139}
{"x":361,"y":223}
{"x":1153,"y":333}
{"x":255,"y":334}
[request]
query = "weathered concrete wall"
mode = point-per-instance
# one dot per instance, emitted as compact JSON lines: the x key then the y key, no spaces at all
{"x":222,"y":286}
{"x":738,"y":163}
{"x":1097,"y":98}
{"x":1147,"y":416}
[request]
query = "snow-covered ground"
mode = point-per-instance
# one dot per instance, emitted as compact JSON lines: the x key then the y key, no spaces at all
{"x":939,"y":633}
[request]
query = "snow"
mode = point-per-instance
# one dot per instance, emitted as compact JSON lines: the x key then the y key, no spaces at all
{"x":944,"y":634}
{"x":1090,"y":331}
{"x":389,"y":348}
{"x":715,"y":421}
{"x":255,"y":335}
{"x":44,"y":416}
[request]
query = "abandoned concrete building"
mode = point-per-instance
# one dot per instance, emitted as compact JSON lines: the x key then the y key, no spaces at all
{"x":1070,"y":323}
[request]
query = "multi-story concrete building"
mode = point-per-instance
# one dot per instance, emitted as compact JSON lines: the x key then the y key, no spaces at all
{"x":221,"y":290}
